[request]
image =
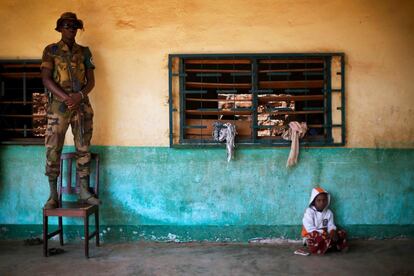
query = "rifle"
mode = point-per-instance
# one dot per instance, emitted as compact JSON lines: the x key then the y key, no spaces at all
{"x":76,"y":87}
{"x":81,"y":123}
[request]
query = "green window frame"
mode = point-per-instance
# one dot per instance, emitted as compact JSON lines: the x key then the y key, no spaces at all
{"x":260,"y":94}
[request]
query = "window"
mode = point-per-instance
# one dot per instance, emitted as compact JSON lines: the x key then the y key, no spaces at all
{"x":22,"y":102}
{"x":260,"y":94}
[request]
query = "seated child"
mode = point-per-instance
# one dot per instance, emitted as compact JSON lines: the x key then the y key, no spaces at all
{"x":319,"y":231}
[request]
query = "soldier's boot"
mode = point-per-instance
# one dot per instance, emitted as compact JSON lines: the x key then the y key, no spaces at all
{"x":84,"y":195}
{"x":52,"y":201}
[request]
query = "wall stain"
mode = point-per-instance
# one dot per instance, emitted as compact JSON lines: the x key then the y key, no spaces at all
{"x":126,"y":24}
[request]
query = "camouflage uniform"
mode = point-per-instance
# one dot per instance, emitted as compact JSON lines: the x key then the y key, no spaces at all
{"x":69,"y":71}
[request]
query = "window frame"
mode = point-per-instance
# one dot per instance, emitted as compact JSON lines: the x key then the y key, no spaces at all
{"x":25,"y":98}
{"x":327,"y":142}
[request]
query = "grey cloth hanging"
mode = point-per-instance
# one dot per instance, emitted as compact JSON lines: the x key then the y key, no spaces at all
{"x":225,"y":132}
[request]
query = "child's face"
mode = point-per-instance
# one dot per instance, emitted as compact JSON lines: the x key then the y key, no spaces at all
{"x":321,"y":201}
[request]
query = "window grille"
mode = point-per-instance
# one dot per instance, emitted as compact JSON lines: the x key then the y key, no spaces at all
{"x":260,"y":94}
{"x":22,"y":102}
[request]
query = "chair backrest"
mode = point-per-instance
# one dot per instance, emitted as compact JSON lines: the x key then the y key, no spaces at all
{"x":67,"y":184}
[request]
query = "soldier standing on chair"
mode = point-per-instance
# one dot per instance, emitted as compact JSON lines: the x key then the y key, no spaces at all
{"x":68,"y":74}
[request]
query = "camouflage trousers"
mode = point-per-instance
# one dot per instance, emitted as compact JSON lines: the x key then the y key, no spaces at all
{"x":59,"y":117}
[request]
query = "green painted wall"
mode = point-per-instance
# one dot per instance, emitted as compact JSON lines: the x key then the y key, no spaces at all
{"x":195,"y":191}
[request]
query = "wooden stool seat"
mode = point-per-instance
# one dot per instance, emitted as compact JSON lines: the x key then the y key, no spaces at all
{"x":71,"y":209}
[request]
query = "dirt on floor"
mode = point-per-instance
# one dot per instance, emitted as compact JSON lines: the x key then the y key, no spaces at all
{"x":365,"y":257}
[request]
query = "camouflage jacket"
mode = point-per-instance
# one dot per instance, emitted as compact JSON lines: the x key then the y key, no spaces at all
{"x":68,"y":67}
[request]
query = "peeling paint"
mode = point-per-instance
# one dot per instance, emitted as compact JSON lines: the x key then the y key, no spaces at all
{"x":270,"y":234}
{"x":274,"y":241}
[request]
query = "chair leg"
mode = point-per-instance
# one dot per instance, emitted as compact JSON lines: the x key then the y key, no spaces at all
{"x":60,"y":231}
{"x":86,"y":226}
{"x":45,"y":239}
{"x":97,"y":227}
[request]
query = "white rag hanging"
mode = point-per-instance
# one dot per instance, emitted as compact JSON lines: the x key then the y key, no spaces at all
{"x":225,"y":132}
{"x":295,"y":132}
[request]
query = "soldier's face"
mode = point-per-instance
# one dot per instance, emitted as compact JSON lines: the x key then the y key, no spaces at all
{"x":68,"y":29}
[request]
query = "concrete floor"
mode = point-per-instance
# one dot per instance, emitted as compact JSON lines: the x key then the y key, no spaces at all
{"x":365,"y":257}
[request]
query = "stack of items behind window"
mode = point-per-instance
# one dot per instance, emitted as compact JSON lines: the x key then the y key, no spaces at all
{"x":39,"y":112}
{"x":267,"y":117}
{"x":235,"y":101}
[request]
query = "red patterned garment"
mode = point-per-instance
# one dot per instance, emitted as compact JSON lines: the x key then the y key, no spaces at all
{"x":319,"y":243}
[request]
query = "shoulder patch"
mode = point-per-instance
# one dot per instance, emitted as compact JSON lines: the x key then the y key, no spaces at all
{"x":54,"y":48}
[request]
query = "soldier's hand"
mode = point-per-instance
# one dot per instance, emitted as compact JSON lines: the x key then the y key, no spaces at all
{"x":69,"y":102}
{"x":75,"y":100}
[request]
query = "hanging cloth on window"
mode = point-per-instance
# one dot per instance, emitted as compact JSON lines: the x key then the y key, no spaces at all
{"x":225,"y":132}
{"x":295,"y":132}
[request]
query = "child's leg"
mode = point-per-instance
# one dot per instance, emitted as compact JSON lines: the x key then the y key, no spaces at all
{"x":342,"y":243}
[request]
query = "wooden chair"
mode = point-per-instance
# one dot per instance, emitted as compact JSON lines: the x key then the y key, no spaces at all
{"x":72,"y":208}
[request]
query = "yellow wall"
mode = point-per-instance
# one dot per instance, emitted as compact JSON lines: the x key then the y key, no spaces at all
{"x":131,"y":40}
